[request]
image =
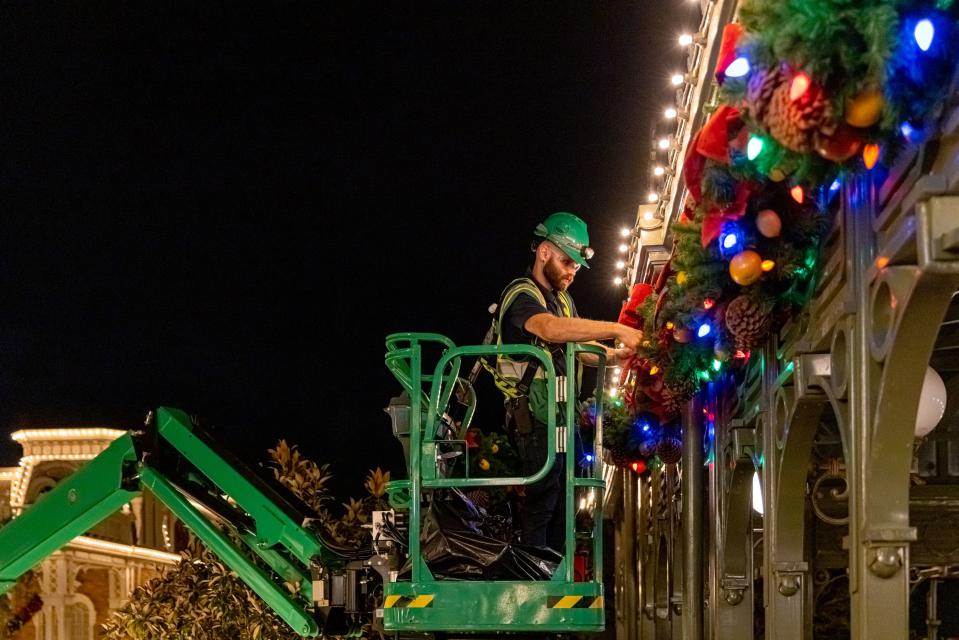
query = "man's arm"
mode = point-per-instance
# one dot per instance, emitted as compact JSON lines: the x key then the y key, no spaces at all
{"x":552,"y":328}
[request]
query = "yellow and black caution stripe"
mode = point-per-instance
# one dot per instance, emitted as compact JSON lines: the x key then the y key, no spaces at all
{"x":407,"y":602}
{"x":574,"y":602}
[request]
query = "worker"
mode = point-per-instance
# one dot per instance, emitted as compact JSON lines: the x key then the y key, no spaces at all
{"x":538,"y":309}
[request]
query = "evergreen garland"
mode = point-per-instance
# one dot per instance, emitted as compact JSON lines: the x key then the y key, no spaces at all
{"x":825,"y":79}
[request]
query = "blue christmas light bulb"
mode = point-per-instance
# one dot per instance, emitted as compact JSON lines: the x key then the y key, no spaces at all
{"x":737,"y":68}
{"x":924,"y":34}
{"x":704,"y":330}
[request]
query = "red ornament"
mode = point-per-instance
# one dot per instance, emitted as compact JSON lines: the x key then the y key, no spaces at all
{"x":768,"y":223}
{"x":714,"y":220}
{"x":840,"y":146}
{"x":472,"y":438}
{"x":638,"y":466}
{"x":732,"y":33}
{"x":629,"y":314}
{"x":713,"y":141}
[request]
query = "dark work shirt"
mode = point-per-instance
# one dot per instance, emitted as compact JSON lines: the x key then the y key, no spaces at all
{"x":525,"y":307}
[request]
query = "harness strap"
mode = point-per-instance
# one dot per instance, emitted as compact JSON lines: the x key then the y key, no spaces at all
{"x":524,"y":372}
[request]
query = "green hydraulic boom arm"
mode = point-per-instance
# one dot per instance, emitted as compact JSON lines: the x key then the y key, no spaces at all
{"x":203,"y":488}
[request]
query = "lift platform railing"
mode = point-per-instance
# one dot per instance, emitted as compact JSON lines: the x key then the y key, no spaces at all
{"x":528,"y":602}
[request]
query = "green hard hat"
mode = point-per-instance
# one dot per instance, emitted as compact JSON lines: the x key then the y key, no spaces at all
{"x":568,"y":232}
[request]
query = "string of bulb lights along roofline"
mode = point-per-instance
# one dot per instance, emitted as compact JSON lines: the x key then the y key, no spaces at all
{"x":669,"y":113}
{"x":812,"y":92}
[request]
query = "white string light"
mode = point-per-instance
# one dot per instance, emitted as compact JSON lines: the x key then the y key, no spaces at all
{"x":617,"y":280}
{"x":625,"y":231}
{"x":680,"y":113}
{"x":129,"y":551}
{"x":620,"y":264}
{"x":29,"y":435}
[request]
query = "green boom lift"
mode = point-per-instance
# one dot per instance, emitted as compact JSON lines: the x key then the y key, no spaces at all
{"x":340,"y":589}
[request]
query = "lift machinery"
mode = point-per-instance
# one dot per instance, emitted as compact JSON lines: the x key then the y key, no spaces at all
{"x":270,"y":539}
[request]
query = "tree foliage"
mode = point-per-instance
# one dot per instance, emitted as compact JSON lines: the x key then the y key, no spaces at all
{"x":202,"y":599}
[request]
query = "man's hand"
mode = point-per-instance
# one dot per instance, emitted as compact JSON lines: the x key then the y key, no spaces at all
{"x":615,"y":357}
{"x":631,"y":338}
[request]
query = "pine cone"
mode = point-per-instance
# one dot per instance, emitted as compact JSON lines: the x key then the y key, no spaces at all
{"x":759,"y":91}
{"x":748,"y":321}
{"x":670,"y":449}
{"x":795,"y":123}
{"x":618,"y":455}
{"x":676,"y":393}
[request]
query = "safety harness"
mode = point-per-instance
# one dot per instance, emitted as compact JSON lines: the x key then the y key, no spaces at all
{"x":513,"y":377}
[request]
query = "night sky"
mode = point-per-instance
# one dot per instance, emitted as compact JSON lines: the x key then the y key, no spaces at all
{"x":227,"y":208}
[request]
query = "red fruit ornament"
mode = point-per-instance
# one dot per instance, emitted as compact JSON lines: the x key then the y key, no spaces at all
{"x":768,"y":223}
{"x":840,"y":146}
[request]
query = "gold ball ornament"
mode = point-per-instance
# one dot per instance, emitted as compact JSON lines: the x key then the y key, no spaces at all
{"x":745,"y":268}
{"x":682,"y":335}
{"x":484,"y":464}
{"x":681,"y":278}
{"x":864,"y":109}
{"x":768,"y":223}
{"x":777,"y":175}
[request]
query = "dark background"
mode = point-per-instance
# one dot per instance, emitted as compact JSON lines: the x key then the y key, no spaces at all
{"x":226,"y":208}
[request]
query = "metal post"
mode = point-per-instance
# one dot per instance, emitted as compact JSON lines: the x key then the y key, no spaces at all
{"x":692,"y":523}
{"x":932,"y":610}
{"x":630,"y":576}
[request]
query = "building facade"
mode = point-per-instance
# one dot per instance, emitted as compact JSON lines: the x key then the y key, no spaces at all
{"x":92,"y":576}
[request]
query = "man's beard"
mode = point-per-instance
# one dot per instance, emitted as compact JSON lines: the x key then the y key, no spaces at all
{"x":556,"y":277}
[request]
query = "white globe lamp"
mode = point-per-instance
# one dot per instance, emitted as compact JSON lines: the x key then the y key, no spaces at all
{"x":932,"y":403}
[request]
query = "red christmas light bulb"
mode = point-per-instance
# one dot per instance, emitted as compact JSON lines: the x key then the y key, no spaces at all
{"x":799,"y":86}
